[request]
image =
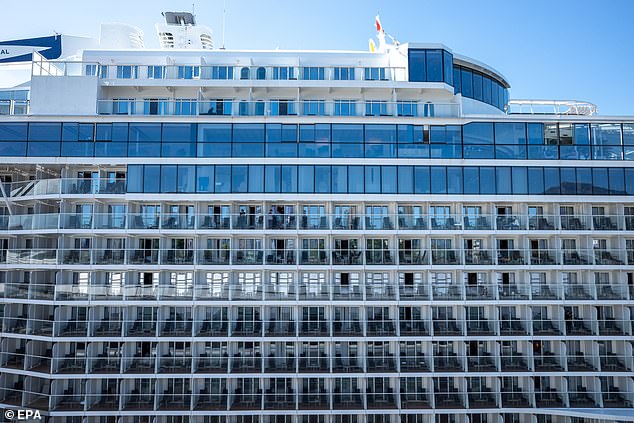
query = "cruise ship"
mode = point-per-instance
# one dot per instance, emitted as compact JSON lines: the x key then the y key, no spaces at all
{"x":193,"y":234}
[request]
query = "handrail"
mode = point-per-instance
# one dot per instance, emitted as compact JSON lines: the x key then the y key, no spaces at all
{"x":556,"y":107}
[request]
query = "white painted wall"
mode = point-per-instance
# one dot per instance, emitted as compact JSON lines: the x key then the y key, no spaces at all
{"x":64,"y":95}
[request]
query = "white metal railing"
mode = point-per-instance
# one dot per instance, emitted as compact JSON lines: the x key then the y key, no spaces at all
{"x":552,"y":107}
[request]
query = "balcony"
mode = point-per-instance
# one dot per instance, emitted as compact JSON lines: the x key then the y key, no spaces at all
{"x":581,"y":398}
{"x":574,"y":223}
{"x":212,"y":364}
{"x":214,"y":327}
{"x":515,"y":399}
{"x":105,"y":365}
{"x":314,"y":328}
{"x":381,"y":400}
{"x":348,"y":400}
{"x":448,"y":363}
{"x":607,"y":258}
{"x":446,"y":328}
{"x":314,"y":400}
{"x":510,"y":257}
{"x":445,"y":257}
{"x":479,"y":328}
{"x":542,"y":223}
{"x":483,"y":399}
{"x":380,"y":363}
{"x":173,"y":364}
{"x":514,"y":363}
{"x":139,"y":401}
{"x":347,"y":328}
{"x":211,"y":401}
{"x":68,"y":401}
{"x":483,"y":362}
{"x":246,"y":363}
{"x":279,"y":401}
{"x":375,"y":257}
{"x":577,"y":362}
{"x":512,"y":326}
{"x":140,"y":365}
{"x":346,"y":364}
{"x":413,"y":327}
{"x":174,"y":401}
{"x":605,"y":223}
{"x":70,"y":364}
{"x":281,"y":257}
{"x":545,"y":327}
{"x":478,"y":257}
{"x":412,"y":257}
{"x":313,"y":363}
{"x":544,"y":257}
{"x":548,"y":398}
{"x":448,"y":399}
{"x":510,"y":223}
{"x":380,"y":328}
{"x":273,"y":364}
{"x":247,"y":328}
{"x":613,"y":398}
{"x":314,"y":257}
{"x":280,"y":328}
{"x":142,"y":328}
{"x":412,"y":222}
{"x":613,"y":363}
{"x":548,"y":362}
{"x":578,"y":327}
{"x":480,"y":292}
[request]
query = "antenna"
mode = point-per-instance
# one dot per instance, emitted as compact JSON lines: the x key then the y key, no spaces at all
{"x":224,"y":14}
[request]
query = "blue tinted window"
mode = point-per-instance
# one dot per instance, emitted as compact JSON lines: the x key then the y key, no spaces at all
{"x":439,"y":151}
{"x":607,"y":153}
{"x":584,"y":181}
{"x":413,"y":150}
{"x":574,"y":152}
{"x":355,"y":179}
{"x":568,"y":180}
{"x":142,"y":132}
{"x":600,"y":183}
{"x":110,"y":149}
{"x":454,"y":180}
{"x":135,"y":178}
{"x":536,"y":180}
{"x":447,"y":67}
{"x":256,"y":178}
{"x":543,"y":152}
{"x":273,"y":177}
{"x":17,"y":149}
{"x":478,"y":151}
{"x":520,"y":182}
{"x":75,"y":149}
{"x":503,"y":180}
{"x":179,"y":132}
{"x":510,"y":152}
{"x":322,"y":179}
{"x":178,"y":149}
{"x":347,"y":150}
{"x":239,"y":178}
{"x":552,"y":184}
{"x":13,"y":131}
{"x":186,"y":178}
{"x":457,"y":85}
{"x":247,"y":149}
{"x":205,"y":178}
{"x":281,"y":150}
{"x":151,"y":178}
{"x":388,"y":179}
{"x":606,"y":134}
{"x":380,"y":133}
{"x":223,"y":179}
{"x":477,"y":86}
{"x":352,"y":133}
{"x":453,"y":134}
{"x":214,"y":150}
{"x":629,"y":181}
{"x":628,"y":134}
{"x":467,"y":82}
{"x":86,"y":132}
{"x":405,"y":179}
{"x":168,"y":178}
{"x":422,"y":181}
{"x":314,"y":150}
{"x":214,"y":132}
{"x":103,"y":132}
{"x":144,"y":149}
{"x":372,"y":179}
{"x":306,"y":179}
{"x":487,"y":180}
{"x":70,"y":131}
{"x":248,"y":132}
{"x":486,"y":89}
{"x":434,"y":65}
{"x":44,"y":131}
{"x":119,"y":131}
{"x":380,"y":150}
{"x":416,"y":65}
{"x":471,"y":180}
{"x":510,"y":133}
{"x":289,"y":178}
{"x":39,"y":148}
{"x":339,"y":179}
{"x":581,"y":134}
{"x":477,"y":133}
{"x":617,"y":186}
{"x":438,"y":180}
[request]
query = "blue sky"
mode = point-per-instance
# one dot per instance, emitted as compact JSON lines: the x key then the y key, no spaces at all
{"x":580,"y":49}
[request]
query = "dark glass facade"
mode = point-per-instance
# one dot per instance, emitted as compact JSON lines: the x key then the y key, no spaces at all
{"x":478,"y":140}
